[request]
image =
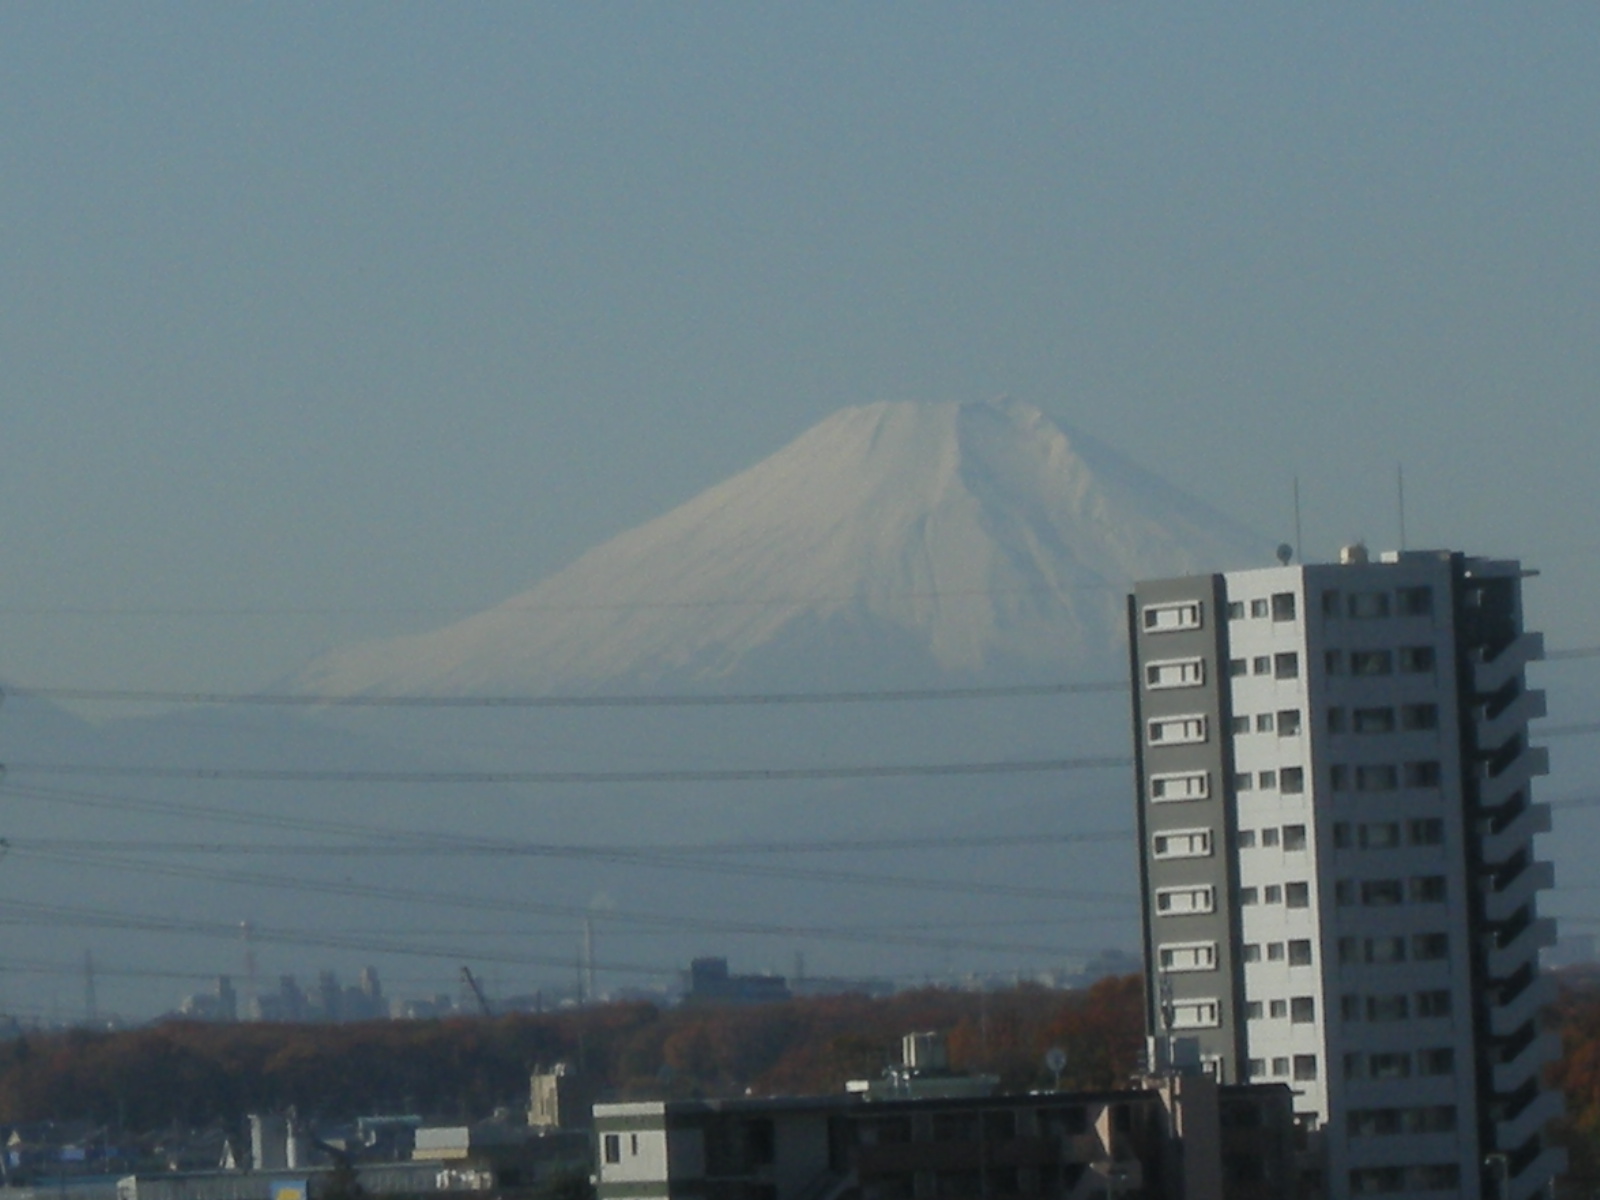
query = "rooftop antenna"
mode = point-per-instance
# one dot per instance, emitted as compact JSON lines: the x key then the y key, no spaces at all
{"x":1299,"y":546}
{"x":1400,"y":500}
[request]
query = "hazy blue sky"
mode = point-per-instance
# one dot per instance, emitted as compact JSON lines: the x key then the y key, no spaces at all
{"x":313,"y":317}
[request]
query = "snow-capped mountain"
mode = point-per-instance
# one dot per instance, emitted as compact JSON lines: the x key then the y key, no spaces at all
{"x":891,"y":539}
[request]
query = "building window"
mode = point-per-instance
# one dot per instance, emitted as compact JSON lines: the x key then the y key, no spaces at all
{"x":1341,"y":835}
{"x":1244,"y":781}
{"x":1419,"y":716}
{"x":1245,"y":839}
{"x":1272,"y":894}
{"x":1297,"y":895}
{"x":1185,"y":785}
{"x":1251,"y":953}
{"x":1261,"y":664}
{"x":1437,"y":1061}
{"x":1302,"y":1010}
{"x":1238,"y":666}
{"x":1177,"y":731}
{"x":1238,"y":725}
{"x":1388,"y":1008}
{"x":1372,"y":720}
{"x":1269,"y":837}
{"x":1294,"y":836}
{"x":1277,"y":1009}
{"x":1264,"y":723}
{"x":1258,"y":608}
{"x":1249,"y":895}
{"x":1394,"y":1064}
{"x":1416,"y":660}
{"x":1414,"y":601}
{"x":1175,"y":673}
{"x":613,"y":1147}
{"x":1280,"y":1066}
{"x":1258,"y":1067}
{"x":1380,"y":835}
{"x":1428,"y":889}
{"x":1371,"y":662}
{"x":1425,"y":831}
{"x":1283,"y":606}
{"x":1188,"y":956}
{"x":1168,"y":618}
{"x":1274,"y":951}
{"x":1382,"y":892}
{"x":1300,"y":952}
{"x":1430,"y":947}
{"x":1183,"y":843}
{"x":1176,"y":901}
{"x":1423,"y":774}
{"x":1235,"y":609}
{"x":1381,"y":777}
{"x":1286,"y":666}
{"x":1289,"y":722}
{"x":1196,"y":1014}
{"x":1333,"y":662}
{"x":1386,"y":950}
{"x":1305,"y":1067}
{"x":1292,"y":780}
{"x":1268,"y":780}
{"x":1330,"y":602}
{"x":1368,"y":605}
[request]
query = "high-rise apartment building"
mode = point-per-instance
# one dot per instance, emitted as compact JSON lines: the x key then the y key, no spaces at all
{"x":1339,"y":885}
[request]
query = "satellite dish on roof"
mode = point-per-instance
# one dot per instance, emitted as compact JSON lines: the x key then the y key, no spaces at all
{"x":1285,"y":553}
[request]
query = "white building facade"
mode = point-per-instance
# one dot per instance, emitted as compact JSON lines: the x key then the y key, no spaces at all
{"x":1339,"y":885}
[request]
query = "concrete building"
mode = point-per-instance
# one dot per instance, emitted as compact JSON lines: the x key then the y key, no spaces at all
{"x":1336,"y":828}
{"x":1187,"y":1139}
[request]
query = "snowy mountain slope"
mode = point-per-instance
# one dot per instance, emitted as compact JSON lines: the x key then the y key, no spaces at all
{"x":968,"y":537}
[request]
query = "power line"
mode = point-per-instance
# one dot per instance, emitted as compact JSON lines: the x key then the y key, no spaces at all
{"x":677,"y":700}
{"x":729,"y":775}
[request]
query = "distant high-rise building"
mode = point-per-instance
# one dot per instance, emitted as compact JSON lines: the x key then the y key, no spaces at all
{"x":1336,"y":845}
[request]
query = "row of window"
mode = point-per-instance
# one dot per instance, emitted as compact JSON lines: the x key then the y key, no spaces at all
{"x":1386,"y":835}
{"x":1187,"y":956}
{"x":1300,"y":1010}
{"x":1404,"y":602}
{"x":1182,"y":843}
{"x":1385,"y":718}
{"x":1285,"y":723}
{"x":1397,"y":1064}
{"x":1177,"y":731}
{"x":1175,"y":673}
{"x":1301,"y":1067}
{"x":1296,"y":951}
{"x":1396,"y":948}
{"x":1290,"y":837}
{"x":1280,"y":606}
{"x":1279,"y":666}
{"x":1289,"y":780}
{"x":1378,"y":893}
{"x":1378,"y":1122}
{"x":1385,"y":777}
{"x":1172,"y":617}
{"x":1180,"y":785}
{"x":1290,"y":895}
{"x":1400,"y":1006}
{"x":1183,"y":901}
{"x":1196,"y":1014}
{"x":1410,"y":660}
{"x":1381,"y":1181}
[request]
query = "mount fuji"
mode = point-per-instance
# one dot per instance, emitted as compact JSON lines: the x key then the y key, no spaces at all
{"x":893,"y":541}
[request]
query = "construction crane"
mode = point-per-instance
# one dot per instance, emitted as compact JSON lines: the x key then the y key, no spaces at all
{"x":468,"y":979}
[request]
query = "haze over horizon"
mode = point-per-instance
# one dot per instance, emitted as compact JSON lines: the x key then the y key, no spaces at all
{"x":324,"y":326}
